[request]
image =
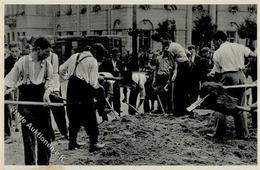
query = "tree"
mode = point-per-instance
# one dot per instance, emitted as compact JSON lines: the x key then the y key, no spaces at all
{"x":248,"y":30}
{"x":165,"y":29}
{"x":203,"y":30}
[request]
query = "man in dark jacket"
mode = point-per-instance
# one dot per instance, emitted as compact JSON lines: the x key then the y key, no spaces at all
{"x":114,"y":66}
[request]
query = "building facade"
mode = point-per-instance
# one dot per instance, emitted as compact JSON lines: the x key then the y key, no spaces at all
{"x":60,"y":20}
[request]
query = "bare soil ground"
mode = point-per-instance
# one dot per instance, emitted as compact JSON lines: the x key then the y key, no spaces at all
{"x":151,"y":140}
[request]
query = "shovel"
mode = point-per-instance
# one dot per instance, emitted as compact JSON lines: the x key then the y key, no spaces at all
{"x":197,"y":103}
{"x":110,"y":107}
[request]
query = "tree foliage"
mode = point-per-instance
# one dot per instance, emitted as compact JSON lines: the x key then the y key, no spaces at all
{"x":247,"y":29}
{"x":165,"y":29}
{"x":203,"y":30}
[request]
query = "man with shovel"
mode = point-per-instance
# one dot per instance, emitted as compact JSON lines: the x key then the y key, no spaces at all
{"x":229,"y":59}
{"x":163,"y":83}
{"x":135,"y":81}
{"x":33,"y":74}
{"x":82,"y":70}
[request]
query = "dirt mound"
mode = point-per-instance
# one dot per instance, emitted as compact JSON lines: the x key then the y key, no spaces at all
{"x":155,"y":140}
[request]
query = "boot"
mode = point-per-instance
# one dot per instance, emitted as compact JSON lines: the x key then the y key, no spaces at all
{"x":96,"y":147}
{"x":74,"y":145}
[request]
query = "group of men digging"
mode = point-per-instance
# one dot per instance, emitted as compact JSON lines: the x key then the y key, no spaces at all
{"x":34,"y":76}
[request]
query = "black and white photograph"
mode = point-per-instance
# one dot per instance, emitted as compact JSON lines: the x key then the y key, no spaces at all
{"x":130,"y":84}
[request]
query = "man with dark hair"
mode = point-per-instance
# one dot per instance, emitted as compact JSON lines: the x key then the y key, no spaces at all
{"x":194,"y":75}
{"x":204,"y":64}
{"x":114,"y":66}
{"x":27,"y":49}
{"x":15,"y":54}
{"x":82,"y":72}
{"x":182,"y":81}
{"x":164,"y":75}
{"x":229,"y":59}
{"x":33,"y":76}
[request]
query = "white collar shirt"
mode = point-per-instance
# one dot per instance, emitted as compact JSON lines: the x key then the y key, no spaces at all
{"x":54,"y":60}
{"x":86,"y":70}
{"x":36,"y":71}
{"x":140,"y":79}
{"x":177,"y":50}
{"x":230,"y":57}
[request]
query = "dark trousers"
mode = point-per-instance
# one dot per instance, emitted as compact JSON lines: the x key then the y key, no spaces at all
{"x":39,"y":119}
{"x":100,"y":95}
{"x":164,"y":94}
{"x":59,"y":115}
{"x":8,"y":116}
{"x":149,"y":96}
{"x":81,"y":111}
{"x":8,"y":121}
{"x":116,"y":97}
{"x":254,"y":114}
{"x":37,"y":126}
{"x":240,"y":118}
{"x":132,"y":99}
{"x":181,"y":89}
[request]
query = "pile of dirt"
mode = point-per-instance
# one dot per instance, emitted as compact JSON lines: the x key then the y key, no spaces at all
{"x":219,"y":99}
{"x":153,"y":140}
{"x":156,"y":140}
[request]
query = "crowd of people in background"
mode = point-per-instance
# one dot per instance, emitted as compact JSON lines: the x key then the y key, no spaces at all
{"x":171,"y":77}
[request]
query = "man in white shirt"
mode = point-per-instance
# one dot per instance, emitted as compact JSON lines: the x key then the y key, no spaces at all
{"x":135,"y":81}
{"x":82,"y":71}
{"x":182,"y":81}
{"x":229,"y":59}
{"x":33,"y":74}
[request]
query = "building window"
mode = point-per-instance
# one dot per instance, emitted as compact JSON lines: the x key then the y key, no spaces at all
{"x":18,"y":34}
{"x":84,"y":33}
{"x":69,"y":32}
{"x":170,"y":7}
{"x":116,"y":6}
{"x":59,"y":33}
{"x":231,"y":36}
{"x":116,"y":43}
{"x":58,"y":13}
{"x":98,"y":32}
{"x":252,"y":8}
{"x":145,"y":39}
{"x":24,"y":33}
{"x":69,"y":10}
{"x":145,"y":7}
{"x":83,"y":9}
{"x":96,"y":8}
{"x":233,"y":9}
{"x":39,"y":10}
{"x":13,"y":36}
{"x":118,"y":32}
{"x":8,"y":37}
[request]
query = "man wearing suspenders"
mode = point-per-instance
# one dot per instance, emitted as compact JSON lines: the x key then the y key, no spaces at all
{"x":82,"y":71}
{"x":33,"y":76}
